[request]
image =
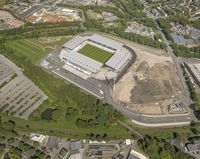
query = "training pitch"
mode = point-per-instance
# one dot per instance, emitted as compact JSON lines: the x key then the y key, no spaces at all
{"x":95,"y":53}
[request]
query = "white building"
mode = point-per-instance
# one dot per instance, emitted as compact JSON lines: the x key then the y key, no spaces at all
{"x":38,"y":137}
{"x":72,"y":57}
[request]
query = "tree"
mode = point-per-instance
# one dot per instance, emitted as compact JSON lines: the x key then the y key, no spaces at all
{"x":57,"y":115}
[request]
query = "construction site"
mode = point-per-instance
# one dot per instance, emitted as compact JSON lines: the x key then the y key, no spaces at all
{"x":7,"y":20}
{"x":151,"y":85}
{"x":54,"y":15}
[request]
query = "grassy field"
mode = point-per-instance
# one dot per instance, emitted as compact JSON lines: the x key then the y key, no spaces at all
{"x":34,"y":49}
{"x":24,"y":48}
{"x":95,"y":53}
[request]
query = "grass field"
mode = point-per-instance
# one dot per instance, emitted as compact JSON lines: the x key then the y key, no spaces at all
{"x":95,"y":53}
{"x":34,"y":49}
{"x":24,"y":48}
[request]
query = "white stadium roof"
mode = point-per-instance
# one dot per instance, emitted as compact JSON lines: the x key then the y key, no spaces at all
{"x":101,"y":40}
{"x":82,"y":61}
{"x":117,"y":60}
{"x":73,"y":43}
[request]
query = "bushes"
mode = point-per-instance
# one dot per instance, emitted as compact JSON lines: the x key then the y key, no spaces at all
{"x":57,"y":115}
{"x":46,"y":114}
{"x":71,"y":113}
{"x":186,"y":52}
{"x":85,"y":123}
{"x":137,"y":38}
{"x":98,"y":137}
{"x":158,"y":148}
{"x":193,"y":94}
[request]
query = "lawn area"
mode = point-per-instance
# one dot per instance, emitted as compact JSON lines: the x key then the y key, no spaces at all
{"x":26,"y":49}
{"x":34,"y":49}
{"x":95,"y":53}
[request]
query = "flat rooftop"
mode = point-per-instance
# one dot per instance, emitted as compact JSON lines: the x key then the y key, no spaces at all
{"x":117,"y":60}
{"x":75,"y":42}
{"x":82,"y":61}
{"x":107,"y":42}
{"x":179,"y":39}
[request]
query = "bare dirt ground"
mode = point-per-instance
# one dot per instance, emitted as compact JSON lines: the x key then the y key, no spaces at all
{"x":6,"y":19}
{"x":148,"y":82}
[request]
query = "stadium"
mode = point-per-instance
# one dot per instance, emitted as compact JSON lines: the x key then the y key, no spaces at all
{"x":95,"y":55}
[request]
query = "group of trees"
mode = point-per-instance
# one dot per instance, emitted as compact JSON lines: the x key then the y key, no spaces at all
{"x":40,"y":30}
{"x":180,"y":50}
{"x":137,"y":38}
{"x":100,"y":114}
{"x":98,"y":137}
{"x":157,"y":148}
{"x":16,"y":143}
{"x":194,"y":96}
{"x":130,"y":8}
{"x":183,"y":51}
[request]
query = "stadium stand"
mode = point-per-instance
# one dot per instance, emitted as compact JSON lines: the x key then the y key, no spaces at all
{"x":81,"y":62}
{"x":117,"y":61}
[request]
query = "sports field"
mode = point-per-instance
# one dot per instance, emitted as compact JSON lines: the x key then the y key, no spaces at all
{"x":25,"y":48}
{"x":95,"y":53}
{"x":34,"y":49}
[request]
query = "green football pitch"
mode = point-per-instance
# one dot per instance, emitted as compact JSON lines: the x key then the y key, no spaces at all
{"x":95,"y":53}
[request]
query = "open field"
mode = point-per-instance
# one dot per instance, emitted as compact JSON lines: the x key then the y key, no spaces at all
{"x":95,"y":53}
{"x":34,"y":48}
{"x":24,"y":48}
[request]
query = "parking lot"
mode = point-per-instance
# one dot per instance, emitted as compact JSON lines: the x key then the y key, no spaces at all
{"x":19,"y":96}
